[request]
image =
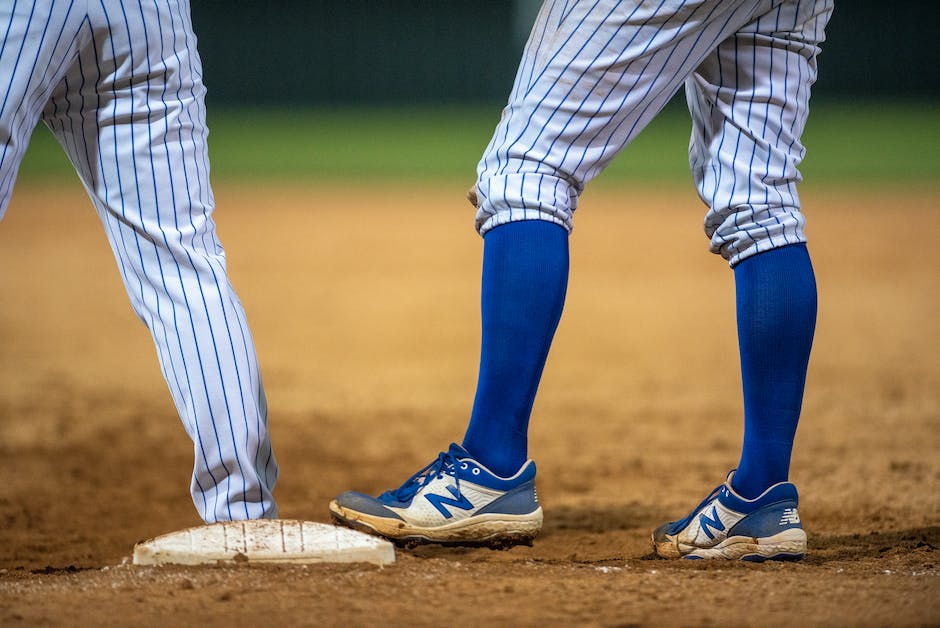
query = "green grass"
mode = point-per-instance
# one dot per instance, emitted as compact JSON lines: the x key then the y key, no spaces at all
{"x":855,"y":144}
{"x":873,"y":143}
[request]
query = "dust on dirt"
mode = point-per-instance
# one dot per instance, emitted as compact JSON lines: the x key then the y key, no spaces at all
{"x":364,"y":307}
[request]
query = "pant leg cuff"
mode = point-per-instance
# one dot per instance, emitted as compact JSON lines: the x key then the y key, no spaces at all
{"x":525,"y":196}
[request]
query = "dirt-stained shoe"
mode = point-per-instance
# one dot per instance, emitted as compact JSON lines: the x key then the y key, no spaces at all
{"x":455,"y":500}
{"x":728,"y":526}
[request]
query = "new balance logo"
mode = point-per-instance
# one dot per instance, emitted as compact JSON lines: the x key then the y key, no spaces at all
{"x":459,"y":501}
{"x":790,"y":516}
{"x":705,"y":521}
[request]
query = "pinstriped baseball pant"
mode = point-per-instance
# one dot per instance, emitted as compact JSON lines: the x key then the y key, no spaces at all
{"x":594,"y":73}
{"x":119,"y":83}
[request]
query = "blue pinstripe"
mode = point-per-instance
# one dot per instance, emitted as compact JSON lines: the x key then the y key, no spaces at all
{"x":737,"y":140}
{"x":588,"y":91}
{"x":116,"y":233}
{"x":25,"y":125}
{"x":16,"y":66}
{"x":554,"y":83}
{"x":527,"y":60}
{"x":786,"y":80}
{"x":81,"y":110}
{"x":3,"y":46}
{"x":135,"y":170}
{"x":238,"y":311}
{"x":541,"y":102}
{"x":718,"y":171}
{"x":225,"y":393}
{"x":179,"y":274}
{"x":580,"y":111}
{"x":500,"y":167}
{"x":172,"y":265}
{"x":215,"y":280}
{"x":153,"y":170}
{"x":574,"y":83}
{"x":660,"y":98}
{"x":44,"y":95}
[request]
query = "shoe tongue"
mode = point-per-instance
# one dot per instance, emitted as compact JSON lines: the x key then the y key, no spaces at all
{"x":458,"y":452}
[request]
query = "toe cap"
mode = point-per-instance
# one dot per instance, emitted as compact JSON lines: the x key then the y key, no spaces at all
{"x":364,"y":504}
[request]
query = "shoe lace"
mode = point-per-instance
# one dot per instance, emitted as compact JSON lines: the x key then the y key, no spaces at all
{"x":681,"y":523}
{"x":710,"y":497}
{"x":445,"y":463}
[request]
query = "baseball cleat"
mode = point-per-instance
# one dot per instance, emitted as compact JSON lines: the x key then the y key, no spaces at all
{"x":455,"y":500}
{"x":725,"y":525}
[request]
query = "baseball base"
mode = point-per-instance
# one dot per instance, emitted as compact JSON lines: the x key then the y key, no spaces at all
{"x":264,"y":541}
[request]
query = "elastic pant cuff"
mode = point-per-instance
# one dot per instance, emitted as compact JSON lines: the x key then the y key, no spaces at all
{"x":525,"y":196}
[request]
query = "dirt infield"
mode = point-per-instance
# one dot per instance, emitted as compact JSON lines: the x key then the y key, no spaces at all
{"x":364,"y":306}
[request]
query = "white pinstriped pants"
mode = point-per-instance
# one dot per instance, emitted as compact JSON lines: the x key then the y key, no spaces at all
{"x":119,"y":83}
{"x":595,"y":72}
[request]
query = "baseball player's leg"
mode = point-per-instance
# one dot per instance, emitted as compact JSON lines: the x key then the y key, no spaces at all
{"x":525,"y":277}
{"x":749,"y":102}
{"x":591,"y":79}
{"x":131,"y":116}
{"x":592,"y":76}
{"x":39,"y":39}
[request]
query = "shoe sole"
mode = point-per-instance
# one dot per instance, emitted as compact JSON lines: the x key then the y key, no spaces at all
{"x":787,"y":545}
{"x":492,"y":530}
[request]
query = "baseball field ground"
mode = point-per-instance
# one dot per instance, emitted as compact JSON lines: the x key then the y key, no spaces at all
{"x":359,"y":270}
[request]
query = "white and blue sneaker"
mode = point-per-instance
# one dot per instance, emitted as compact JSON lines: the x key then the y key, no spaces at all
{"x":455,"y":500}
{"x":729,"y":526}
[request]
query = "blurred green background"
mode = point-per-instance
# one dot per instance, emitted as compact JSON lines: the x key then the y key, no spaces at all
{"x":373,"y":90}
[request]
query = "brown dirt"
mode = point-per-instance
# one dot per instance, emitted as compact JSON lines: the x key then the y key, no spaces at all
{"x":364,"y":304}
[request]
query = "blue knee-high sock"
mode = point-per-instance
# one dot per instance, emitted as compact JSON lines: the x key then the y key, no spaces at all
{"x":776,"y":309}
{"x":525,"y":276}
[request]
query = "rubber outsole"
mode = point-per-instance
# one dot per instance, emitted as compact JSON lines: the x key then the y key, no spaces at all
{"x":789,"y":545}
{"x":496,"y":540}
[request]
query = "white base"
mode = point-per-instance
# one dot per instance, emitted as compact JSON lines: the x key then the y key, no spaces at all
{"x":264,"y":541}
